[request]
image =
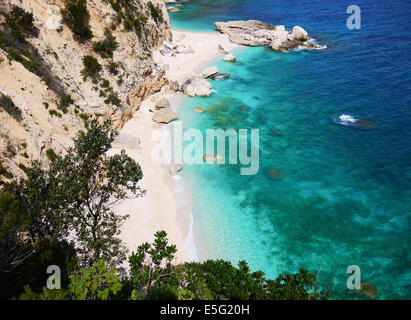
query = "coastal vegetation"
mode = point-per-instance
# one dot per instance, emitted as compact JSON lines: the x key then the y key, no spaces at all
{"x":61,"y":214}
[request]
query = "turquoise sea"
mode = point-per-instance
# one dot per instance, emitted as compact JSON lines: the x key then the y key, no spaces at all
{"x":342,"y":194}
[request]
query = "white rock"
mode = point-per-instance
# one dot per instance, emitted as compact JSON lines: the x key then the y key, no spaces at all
{"x":198,"y":87}
{"x":54,"y":21}
{"x":230,"y":58}
{"x":209,"y":72}
{"x":300,"y":34}
{"x":165,"y":115}
{"x":279,"y":39}
{"x":280,"y":28}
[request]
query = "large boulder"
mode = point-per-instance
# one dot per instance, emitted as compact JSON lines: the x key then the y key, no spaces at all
{"x":198,"y":87}
{"x":165,"y":115}
{"x":230,"y":58}
{"x":209,"y":72}
{"x":193,"y":85}
{"x":299,"y":34}
{"x":162,"y":103}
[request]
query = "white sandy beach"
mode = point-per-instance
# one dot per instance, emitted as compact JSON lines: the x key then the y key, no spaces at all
{"x":167,"y":202}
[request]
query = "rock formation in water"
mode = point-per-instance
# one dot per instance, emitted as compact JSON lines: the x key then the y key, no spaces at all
{"x":260,"y":34}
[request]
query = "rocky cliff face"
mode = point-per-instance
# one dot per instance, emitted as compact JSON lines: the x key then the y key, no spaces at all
{"x":45,"y":92}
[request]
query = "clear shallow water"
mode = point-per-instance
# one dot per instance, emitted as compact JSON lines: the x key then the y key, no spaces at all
{"x":345,"y":197}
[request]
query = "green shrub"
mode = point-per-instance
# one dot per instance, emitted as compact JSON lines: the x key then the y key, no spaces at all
{"x":113,"y":99}
{"x":76,"y":16}
{"x":105,"y":84}
{"x":65,"y":103}
{"x":20,"y":23}
{"x":51,"y":154}
{"x":55,"y":113}
{"x":106,"y":47}
{"x":4,"y":172}
{"x":155,"y":11}
{"x":91,"y":68}
{"x":8,"y":105}
{"x":113,"y":68}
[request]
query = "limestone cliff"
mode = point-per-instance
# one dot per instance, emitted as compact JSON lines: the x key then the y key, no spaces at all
{"x":45,"y":94}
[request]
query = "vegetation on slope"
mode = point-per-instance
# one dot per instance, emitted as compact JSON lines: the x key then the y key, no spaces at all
{"x":14,"y":34}
{"x":8,"y":105}
{"x":76,"y":17}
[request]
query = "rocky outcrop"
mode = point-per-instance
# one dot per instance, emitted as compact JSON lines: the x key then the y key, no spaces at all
{"x":44,"y":124}
{"x":193,"y":85}
{"x":260,"y":34}
{"x":275,"y":174}
{"x":250,"y":33}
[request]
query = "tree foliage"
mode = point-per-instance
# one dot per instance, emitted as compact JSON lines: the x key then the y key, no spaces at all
{"x":76,"y":16}
{"x":62,"y":212}
{"x":107,"y":46}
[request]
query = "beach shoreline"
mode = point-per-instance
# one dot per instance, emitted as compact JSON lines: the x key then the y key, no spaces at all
{"x":167,"y":204}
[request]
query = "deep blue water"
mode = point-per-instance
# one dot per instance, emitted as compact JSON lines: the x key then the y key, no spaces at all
{"x":345,"y":197}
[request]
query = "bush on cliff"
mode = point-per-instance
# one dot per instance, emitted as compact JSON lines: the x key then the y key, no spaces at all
{"x":106,"y":47}
{"x":76,"y":16}
{"x":91,"y":68}
{"x":8,"y":105}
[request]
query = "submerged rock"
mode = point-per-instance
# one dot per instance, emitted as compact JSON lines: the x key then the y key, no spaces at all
{"x":275,"y":174}
{"x":198,"y":110}
{"x":276,"y":133}
{"x":219,"y":76}
{"x":367,"y":290}
{"x":165,"y":115}
{"x":213,"y":158}
{"x":173,"y":9}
